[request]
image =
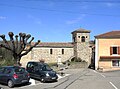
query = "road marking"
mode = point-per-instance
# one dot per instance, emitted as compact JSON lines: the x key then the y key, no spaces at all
{"x":113,"y":85}
{"x":59,"y":76}
{"x":30,"y":85}
{"x":103,"y":75}
{"x":95,"y":71}
{"x":99,"y":73}
{"x":32,"y":81}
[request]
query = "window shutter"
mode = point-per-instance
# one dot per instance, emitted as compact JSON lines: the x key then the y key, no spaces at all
{"x":119,"y":50}
{"x":111,"y":50}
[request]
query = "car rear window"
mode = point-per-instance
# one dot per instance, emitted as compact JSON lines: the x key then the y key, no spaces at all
{"x":19,"y":70}
{"x":1,"y":69}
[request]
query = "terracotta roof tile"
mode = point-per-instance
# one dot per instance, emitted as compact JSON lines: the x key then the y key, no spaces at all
{"x":55,"y":44}
{"x":112,"y":34}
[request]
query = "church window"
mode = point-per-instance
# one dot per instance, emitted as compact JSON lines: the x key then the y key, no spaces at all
{"x":62,"y":51}
{"x":51,"y":51}
{"x":82,"y":39}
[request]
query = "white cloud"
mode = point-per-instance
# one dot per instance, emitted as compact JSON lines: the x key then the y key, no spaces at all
{"x":75,"y":20}
{"x":109,"y":4}
{"x":34,"y":19}
{"x":2,"y":17}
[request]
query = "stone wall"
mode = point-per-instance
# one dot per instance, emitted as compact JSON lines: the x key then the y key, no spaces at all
{"x":24,"y":60}
{"x":84,"y":51}
{"x":76,"y":65}
{"x":42,"y":53}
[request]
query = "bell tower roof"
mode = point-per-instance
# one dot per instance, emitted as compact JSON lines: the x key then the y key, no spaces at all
{"x":81,"y":30}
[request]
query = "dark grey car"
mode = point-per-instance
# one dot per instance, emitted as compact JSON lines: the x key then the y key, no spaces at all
{"x":12,"y":75}
{"x":41,"y":71}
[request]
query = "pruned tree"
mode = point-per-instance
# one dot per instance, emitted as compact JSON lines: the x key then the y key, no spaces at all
{"x":19,"y":45}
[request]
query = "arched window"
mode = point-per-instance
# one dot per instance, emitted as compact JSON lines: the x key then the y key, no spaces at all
{"x":82,"y":39}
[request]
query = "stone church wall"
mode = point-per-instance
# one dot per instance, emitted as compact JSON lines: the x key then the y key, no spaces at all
{"x":42,"y":53}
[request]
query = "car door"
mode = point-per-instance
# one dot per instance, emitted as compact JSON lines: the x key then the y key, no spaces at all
{"x":42,"y":71}
{"x":1,"y":74}
{"x":36,"y":70}
{"x":32,"y":68}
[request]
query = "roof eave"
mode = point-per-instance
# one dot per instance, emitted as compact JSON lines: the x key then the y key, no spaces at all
{"x":80,"y":32}
{"x":97,"y":37}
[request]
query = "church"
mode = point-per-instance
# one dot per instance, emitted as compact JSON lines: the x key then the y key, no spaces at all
{"x":53,"y":52}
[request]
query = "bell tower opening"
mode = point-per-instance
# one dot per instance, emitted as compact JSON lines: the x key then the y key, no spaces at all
{"x":83,"y":39}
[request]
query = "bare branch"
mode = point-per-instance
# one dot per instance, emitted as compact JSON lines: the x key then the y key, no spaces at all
{"x":31,"y":40}
{"x":23,"y":45}
{"x":30,"y":49}
{"x":12,"y":40}
{"x":23,"y":38}
{"x":11,"y":35}
{"x":5,"y":47}
{"x":20,"y":34}
{"x":16,"y":42}
{"x":3,"y":38}
{"x":27,"y":37}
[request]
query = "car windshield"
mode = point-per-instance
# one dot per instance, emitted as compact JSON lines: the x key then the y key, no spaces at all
{"x":46,"y":68}
{"x":19,"y":70}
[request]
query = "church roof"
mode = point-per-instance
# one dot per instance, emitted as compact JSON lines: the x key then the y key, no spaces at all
{"x":56,"y":44}
{"x":81,"y":30}
{"x":112,"y":34}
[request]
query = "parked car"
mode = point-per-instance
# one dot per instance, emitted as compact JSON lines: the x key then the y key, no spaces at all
{"x":42,"y":71}
{"x":12,"y":75}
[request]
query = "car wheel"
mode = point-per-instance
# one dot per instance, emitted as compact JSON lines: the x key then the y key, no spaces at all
{"x":10,"y":83}
{"x":56,"y":80}
{"x":42,"y":80}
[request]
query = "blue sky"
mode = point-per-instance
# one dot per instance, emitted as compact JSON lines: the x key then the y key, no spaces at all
{"x":54,"y":20}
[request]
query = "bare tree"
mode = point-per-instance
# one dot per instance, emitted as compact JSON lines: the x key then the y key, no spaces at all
{"x":19,"y":45}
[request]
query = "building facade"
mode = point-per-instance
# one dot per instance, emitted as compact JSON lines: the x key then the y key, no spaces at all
{"x":107,"y":50}
{"x":80,"y":47}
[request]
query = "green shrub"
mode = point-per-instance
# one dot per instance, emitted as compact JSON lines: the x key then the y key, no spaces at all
{"x":52,"y":64}
{"x":6,"y":58}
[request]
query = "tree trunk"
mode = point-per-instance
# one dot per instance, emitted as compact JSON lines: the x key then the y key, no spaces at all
{"x":16,"y":60}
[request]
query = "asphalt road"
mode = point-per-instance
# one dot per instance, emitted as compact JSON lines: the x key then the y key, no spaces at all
{"x":79,"y":79}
